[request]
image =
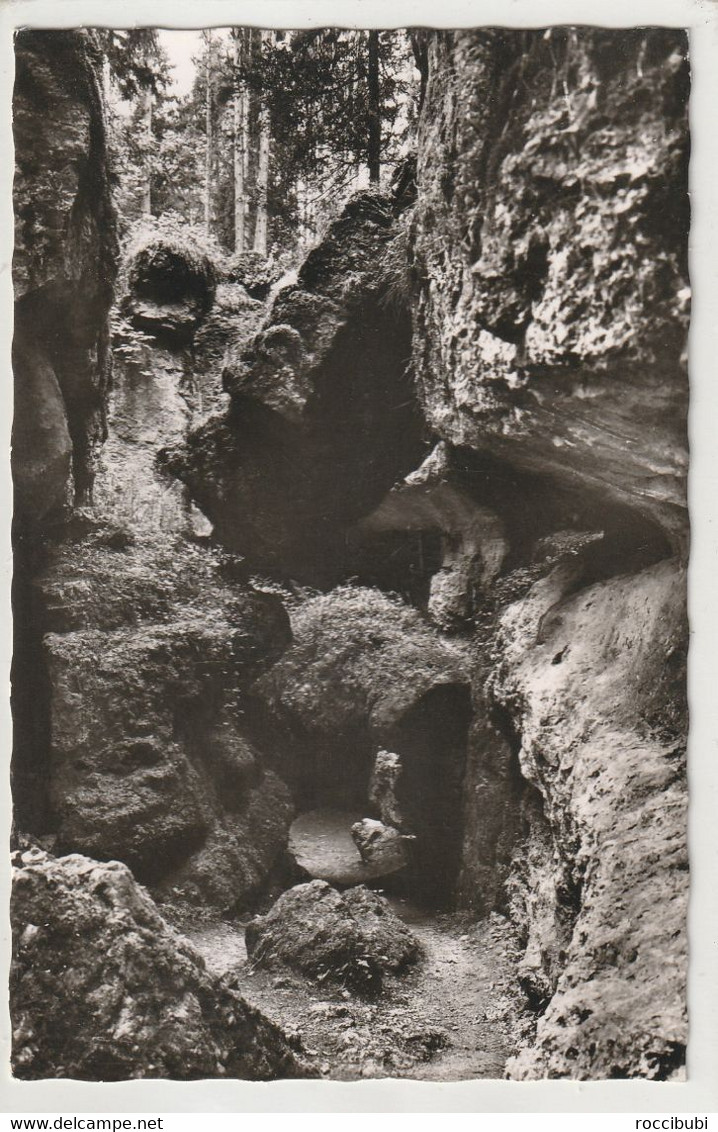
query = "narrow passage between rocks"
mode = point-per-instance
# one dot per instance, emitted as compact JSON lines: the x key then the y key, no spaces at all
{"x":453,"y":1017}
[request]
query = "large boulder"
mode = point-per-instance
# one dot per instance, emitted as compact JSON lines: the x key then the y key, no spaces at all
{"x":171,"y":283}
{"x":360,"y":660}
{"x":353,"y":937}
{"x":232,"y":322}
{"x":102,"y":989}
{"x":64,"y":266}
{"x":321,"y":419}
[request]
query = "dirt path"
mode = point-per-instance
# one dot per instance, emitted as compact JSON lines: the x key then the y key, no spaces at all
{"x":453,"y":1017}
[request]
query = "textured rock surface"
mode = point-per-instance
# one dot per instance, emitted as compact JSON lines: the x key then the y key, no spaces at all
{"x":64,"y":266}
{"x":473,"y":542}
{"x":148,"y":763}
{"x":549,"y":249}
{"x":230,"y":325}
{"x":104,"y":990}
{"x":153,"y":401}
{"x":171,"y":285}
{"x":367,"y":671}
{"x":353,"y":937}
{"x":596,"y":683}
{"x":321,"y":420}
{"x":142,"y":642}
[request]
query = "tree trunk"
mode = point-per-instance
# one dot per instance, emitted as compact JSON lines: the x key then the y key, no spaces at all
{"x":147,"y":140}
{"x":239,"y":118}
{"x":260,"y":227}
{"x":374,"y":138}
{"x":209,"y":134}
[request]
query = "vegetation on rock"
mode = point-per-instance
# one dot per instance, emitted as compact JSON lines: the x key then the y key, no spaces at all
{"x":171,"y":281}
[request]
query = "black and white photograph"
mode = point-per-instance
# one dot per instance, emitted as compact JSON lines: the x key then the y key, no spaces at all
{"x":350,"y":543}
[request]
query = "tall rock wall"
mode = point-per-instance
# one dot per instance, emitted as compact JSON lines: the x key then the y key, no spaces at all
{"x":133,"y":643}
{"x":548,"y":252}
{"x":64,"y":267}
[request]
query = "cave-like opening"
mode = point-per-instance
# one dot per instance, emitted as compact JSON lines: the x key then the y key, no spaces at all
{"x":431,"y":741}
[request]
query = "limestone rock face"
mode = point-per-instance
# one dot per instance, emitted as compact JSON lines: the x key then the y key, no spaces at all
{"x":231,"y":323}
{"x":352,"y":937}
{"x":148,"y":762}
{"x":63,"y":269}
{"x":473,"y":542}
{"x":104,"y":990}
{"x":596,"y":683}
{"x":548,"y":250}
{"x":360,"y":659}
{"x":321,"y":420}
{"x":549,"y":253}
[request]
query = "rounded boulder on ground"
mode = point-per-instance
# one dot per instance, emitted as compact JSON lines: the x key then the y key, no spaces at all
{"x":351,"y":937}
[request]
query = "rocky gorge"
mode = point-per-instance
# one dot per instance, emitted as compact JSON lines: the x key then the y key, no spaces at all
{"x":350,"y":626}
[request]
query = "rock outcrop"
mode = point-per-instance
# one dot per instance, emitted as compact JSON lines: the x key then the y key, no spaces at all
{"x":146,"y":658}
{"x":102,"y":989}
{"x":549,"y":256}
{"x":135,"y":640}
{"x":353,"y":937}
{"x":171,"y":285}
{"x":473,"y":543}
{"x":230,"y":325}
{"x":321,"y":420}
{"x":596,"y":685}
{"x":549,"y":250}
{"x":366,"y":671}
{"x":64,"y":266}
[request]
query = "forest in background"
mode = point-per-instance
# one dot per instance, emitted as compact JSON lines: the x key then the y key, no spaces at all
{"x":278,"y":129}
